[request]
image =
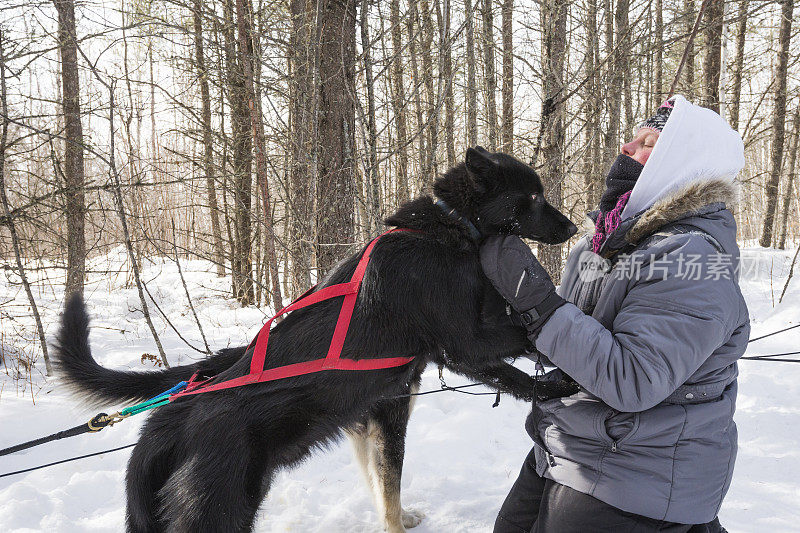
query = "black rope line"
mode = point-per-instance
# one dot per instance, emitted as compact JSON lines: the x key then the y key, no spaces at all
{"x":773,"y":333}
{"x":773,"y":357}
{"x":444,"y":389}
{"x":766,"y":356}
{"x":95,"y":424}
{"x":773,"y":360}
{"x":67,"y":460}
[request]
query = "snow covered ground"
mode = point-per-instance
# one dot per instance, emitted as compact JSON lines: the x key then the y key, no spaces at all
{"x":462,"y":455}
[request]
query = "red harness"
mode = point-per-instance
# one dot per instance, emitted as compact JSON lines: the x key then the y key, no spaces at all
{"x":332,"y":361}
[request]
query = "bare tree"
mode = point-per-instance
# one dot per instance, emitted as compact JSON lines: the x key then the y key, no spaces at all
{"x":554,"y":45}
{"x":399,"y":102}
{"x":738,"y":64}
{"x":431,"y":129}
{"x":413,"y":25}
{"x":373,"y":187}
{"x":689,"y":19}
{"x":472,"y":85}
{"x":303,"y":91}
{"x":242,"y":162}
{"x":245,"y":35}
{"x":791,"y":175}
{"x":592,"y":109}
{"x":74,"y":201}
{"x":658,"y":36}
{"x":15,"y":241}
{"x":123,"y":219}
{"x":778,"y":121}
{"x":714,"y":14}
{"x":447,"y":78}
{"x":208,"y":145}
{"x":622,"y":59}
{"x":489,"y":76}
{"x":508,"y":77}
{"x":616,"y":79}
{"x":336,"y":189}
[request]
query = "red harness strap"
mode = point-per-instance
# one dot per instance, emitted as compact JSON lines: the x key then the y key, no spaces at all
{"x":332,"y":360}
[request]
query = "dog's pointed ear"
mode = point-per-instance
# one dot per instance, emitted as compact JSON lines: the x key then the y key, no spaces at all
{"x":479,"y":162}
{"x":483,"y":150}
{"x":481,"y":169}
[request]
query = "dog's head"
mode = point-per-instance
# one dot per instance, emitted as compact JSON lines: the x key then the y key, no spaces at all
{"x":501,"y":194}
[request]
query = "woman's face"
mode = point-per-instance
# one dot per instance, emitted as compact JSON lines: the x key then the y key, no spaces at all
{"x":641,"y":145}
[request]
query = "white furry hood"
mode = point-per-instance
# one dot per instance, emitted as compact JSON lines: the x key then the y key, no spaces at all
{"x":695,"y":145}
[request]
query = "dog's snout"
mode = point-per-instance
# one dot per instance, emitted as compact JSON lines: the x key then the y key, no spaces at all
{"x":572,"y":229}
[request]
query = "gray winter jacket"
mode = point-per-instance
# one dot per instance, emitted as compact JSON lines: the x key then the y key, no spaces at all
{"x":653,"y":342}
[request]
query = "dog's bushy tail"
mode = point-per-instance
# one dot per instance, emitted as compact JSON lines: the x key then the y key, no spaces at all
{"x":98,"y":385}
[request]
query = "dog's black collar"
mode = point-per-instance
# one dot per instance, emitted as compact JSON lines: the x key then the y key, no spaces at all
{"x":449,"y":211}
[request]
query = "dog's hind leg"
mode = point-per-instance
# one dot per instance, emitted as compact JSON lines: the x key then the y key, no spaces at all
{"x":380,"y":447}
{"x":360,"y":439}
{"x":219,"y":486}
{"x":143,"y":480}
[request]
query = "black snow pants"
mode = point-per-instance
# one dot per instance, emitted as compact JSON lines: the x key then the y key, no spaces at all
{"x":539,"y":505}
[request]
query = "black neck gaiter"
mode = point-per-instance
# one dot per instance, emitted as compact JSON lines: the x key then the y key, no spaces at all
{"x":621,"y":178}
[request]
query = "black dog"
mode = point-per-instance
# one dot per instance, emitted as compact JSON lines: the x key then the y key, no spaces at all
{"x":205,"y":462}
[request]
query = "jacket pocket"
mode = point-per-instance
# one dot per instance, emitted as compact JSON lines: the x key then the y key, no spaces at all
{"x":569,"y":429}
{"x":616,"y":427}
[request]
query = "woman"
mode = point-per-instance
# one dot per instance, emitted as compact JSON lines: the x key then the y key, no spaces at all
{"x":649,"y":321}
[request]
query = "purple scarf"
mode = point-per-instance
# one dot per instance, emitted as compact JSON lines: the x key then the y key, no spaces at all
{"x":607,"y":222}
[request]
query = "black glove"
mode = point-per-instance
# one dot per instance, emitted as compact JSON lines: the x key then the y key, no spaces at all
{"x":520,"y":279}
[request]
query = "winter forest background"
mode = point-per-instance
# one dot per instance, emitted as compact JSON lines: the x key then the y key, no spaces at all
{"x":271,"y":138}
{"x":171,"y":153}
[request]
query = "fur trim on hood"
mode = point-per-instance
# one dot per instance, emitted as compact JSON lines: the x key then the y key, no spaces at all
{"x":681,"y":203}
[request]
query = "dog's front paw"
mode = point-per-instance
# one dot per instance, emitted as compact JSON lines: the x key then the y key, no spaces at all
{"x":412,"y":517}
{"x":524,"y":390}
{"x":394,"y":528}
